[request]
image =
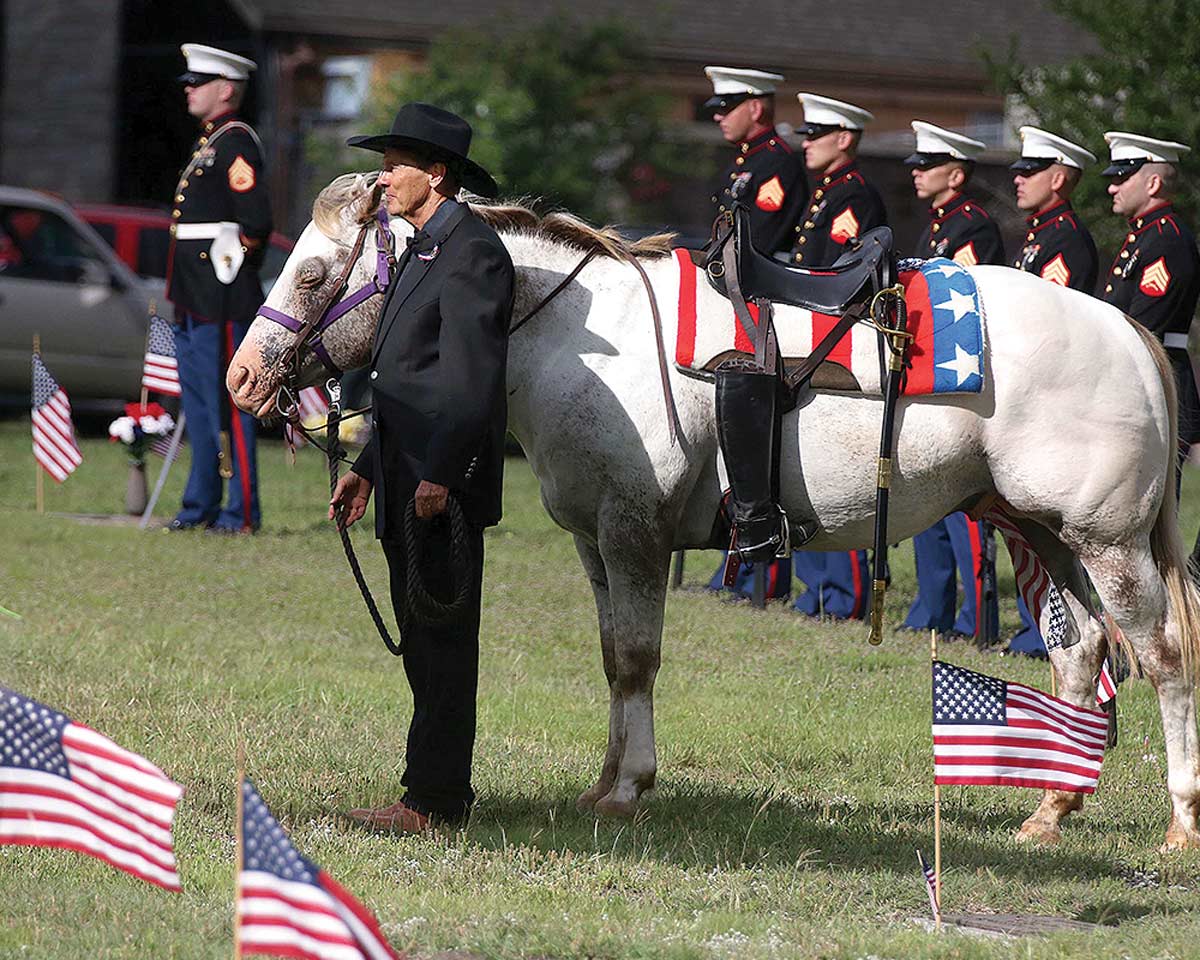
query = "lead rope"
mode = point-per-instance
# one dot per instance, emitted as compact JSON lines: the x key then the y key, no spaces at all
{"x":334,"y":453}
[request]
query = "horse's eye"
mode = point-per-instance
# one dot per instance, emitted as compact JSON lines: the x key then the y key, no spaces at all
{"x":311,"y":272}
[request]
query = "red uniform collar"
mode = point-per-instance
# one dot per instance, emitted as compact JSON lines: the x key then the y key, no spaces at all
{"x":1151,"y":217}
{"x":848,"y":171}
{"x":955,"y":205}
{"x":766,"y":140}
{"x":1050,"y":215}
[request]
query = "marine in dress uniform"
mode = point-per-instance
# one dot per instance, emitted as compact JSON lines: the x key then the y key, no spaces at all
{"x":1155,"y":277}
{"x":437,"y":374}
{"x":743,"y":105}
{"x":961,"y":230}
{"x":221,"y":224}
{"x":1058,"y":248}
{"x":843,"y":206}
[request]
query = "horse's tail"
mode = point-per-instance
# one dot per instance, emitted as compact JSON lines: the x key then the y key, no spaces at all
{"x":1183,"y":601}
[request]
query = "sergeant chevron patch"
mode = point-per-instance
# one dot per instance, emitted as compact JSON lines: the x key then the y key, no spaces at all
{"x":1057,"y":271}
{"x":966,"y":256}
{"x":1156,"y":278}
{"x":844,"y":226}
{"x":770,"y":195}
{"x":241,"y":175}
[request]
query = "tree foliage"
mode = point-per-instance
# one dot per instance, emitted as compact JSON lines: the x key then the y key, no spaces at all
{"x":1143,"y":77}
{"x":556,"y":112}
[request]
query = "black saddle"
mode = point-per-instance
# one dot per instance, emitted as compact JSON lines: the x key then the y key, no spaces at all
{"x":866,"y":266}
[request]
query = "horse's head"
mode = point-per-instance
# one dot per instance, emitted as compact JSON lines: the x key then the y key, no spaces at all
{"x":264,"y":361}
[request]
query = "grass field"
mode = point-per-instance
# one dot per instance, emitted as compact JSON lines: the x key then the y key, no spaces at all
{"x":794,"y":761}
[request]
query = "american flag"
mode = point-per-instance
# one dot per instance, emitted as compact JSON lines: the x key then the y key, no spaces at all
{"x":64,"y":785}
{"x":313,"y":409}
{"x":54,"y":444}
{"x":1038,"y":590}
{"x":990,"y":731}
{"x":160,"y":372}
{"x":287,"y":906}
{"x":930,"y":884}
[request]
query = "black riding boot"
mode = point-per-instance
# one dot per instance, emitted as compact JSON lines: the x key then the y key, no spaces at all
{"x":748,"y":430}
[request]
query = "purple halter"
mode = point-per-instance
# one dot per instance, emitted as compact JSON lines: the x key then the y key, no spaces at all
{"x":335,"y":311}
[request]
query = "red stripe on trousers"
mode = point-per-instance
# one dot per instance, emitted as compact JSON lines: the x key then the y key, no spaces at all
{"x":685,"y":339}
{"x":976,"y":567}
{"x":239,"y":439}
{"x":859,"y":594}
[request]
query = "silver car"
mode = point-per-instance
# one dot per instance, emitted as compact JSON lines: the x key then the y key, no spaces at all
{"x":61,"y":282}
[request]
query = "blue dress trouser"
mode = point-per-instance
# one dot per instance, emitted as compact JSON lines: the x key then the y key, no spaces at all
{"x":837,"y":583}
{"x":203,"y":351}
{"x":953,"y":542}
{"x":1029,"y":640}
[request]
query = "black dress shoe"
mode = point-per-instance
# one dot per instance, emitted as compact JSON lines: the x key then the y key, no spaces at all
{"x":177,"y":525}
{"x":223,"y":531}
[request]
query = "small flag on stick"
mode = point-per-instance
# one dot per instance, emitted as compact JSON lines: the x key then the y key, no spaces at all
{"x":287,"y":906}
{"x":930,"y":885}
{"x":54,"y":444}
{"x":160,"y":372}
{"x":313,"y":409}
{"x":64,"y":785}
{"x":990,"y":731}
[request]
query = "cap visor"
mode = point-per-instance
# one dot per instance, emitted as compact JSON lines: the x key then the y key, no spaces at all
{"x":1121,"y":168}
{"x":1029,"y":164}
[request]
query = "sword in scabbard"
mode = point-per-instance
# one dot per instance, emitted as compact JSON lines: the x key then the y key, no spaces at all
{"x":889,"y":315}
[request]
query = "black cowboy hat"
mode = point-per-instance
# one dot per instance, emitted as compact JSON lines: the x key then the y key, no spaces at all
{"x":444,"y":134}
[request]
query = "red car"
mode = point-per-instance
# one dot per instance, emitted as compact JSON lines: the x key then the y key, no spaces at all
{"x":140,"y":236}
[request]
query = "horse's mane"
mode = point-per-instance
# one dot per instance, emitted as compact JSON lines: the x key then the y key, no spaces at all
{"x":516,"y":216}
{"x":359,"y":194}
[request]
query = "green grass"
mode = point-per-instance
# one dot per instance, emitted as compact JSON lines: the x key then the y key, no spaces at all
{"x":794,"y":760}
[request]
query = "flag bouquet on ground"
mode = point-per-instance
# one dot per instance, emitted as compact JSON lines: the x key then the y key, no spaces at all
{"x":287,"y":906}
{"x":144,"y":427}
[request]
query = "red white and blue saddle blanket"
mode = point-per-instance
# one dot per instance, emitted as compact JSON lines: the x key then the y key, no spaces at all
{"x":945,"y":317}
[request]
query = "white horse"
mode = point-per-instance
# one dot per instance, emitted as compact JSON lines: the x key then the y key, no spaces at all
{"x":1074,"y":431}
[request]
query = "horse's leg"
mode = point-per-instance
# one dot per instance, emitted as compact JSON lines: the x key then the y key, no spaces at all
{"x":637,"y":565}
{"x":593,"y":565}
{"x":1132,"y":590}
{"x":1075,"y":666}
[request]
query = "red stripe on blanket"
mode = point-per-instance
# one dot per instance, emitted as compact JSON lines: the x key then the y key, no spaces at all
{"x":920,"y":325}
{"x":685,"y":341}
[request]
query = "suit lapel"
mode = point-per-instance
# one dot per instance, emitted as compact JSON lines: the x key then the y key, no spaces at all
{"x":410,"y":278}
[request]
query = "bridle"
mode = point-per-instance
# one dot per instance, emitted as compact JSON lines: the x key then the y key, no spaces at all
{"x":309,"y":333}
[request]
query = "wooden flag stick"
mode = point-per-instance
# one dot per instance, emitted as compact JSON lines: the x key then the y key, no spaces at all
{"x":237,"y":863}
{"x":153,"y":310}
{"x":39,"y":478}
{"x":937,"y":818}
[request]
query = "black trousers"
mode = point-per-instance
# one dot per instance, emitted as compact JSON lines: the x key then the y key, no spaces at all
{"x":442,"y":664}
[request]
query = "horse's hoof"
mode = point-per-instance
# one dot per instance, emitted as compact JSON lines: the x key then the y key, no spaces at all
{"x":610,"y":806}
{"x":1040,"y":832}
{"x":586,"y":801}
{"x":1179,"y":838}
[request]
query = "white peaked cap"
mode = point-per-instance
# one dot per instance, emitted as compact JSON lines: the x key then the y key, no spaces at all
{"x":1133,"y":146}
{"x":826,"y":112}
{"x":1039,"y":144}
{"x":732,"y":80}
{"x":221,"y":63}
{"x":940,"y":141}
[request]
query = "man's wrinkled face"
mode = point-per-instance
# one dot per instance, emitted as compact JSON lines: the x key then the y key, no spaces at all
{"x":406,"y":183}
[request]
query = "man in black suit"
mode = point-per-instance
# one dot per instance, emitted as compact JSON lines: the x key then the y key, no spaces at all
{"x":437,"y":373}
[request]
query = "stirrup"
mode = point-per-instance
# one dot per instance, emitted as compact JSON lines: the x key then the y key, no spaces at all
{"x":776,"y":546}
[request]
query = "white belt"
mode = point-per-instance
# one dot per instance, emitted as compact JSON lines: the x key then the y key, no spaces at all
{"x":1176,"y":341}
{"x":203,"y":231}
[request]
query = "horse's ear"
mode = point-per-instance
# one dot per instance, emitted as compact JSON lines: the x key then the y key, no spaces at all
{"x":367,"y":192}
